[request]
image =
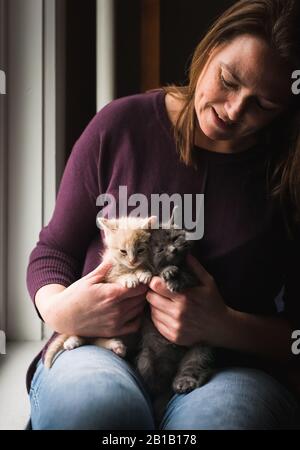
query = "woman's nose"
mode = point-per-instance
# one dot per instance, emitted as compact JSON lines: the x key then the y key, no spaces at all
{"x":235,"y":107}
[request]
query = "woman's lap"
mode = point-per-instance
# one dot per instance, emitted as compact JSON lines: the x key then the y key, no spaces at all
{"x":235,"y":398}
{"x":88,"y":388}
{"x":92,"y":388}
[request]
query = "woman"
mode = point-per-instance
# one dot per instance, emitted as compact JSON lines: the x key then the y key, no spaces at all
{"x":232,"y":134}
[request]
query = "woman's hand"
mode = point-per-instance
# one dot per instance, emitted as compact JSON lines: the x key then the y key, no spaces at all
{"x":90,"y":308}
{"x":195,"y":316}
{"x":199,"y":315}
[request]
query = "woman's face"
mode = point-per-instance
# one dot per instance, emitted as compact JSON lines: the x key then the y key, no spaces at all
{"x":242,"y":88}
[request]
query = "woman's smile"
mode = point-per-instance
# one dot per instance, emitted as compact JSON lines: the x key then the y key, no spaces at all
{"x":219,"y":122}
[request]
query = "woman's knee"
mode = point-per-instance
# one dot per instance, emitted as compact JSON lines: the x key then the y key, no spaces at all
{"x":89,"y":388}
{"x":235,"y":398}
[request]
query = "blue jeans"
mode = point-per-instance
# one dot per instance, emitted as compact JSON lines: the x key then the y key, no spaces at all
{"x":92,"y":388}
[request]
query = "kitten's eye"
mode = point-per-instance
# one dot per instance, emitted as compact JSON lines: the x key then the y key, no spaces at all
{"x":123,"y":252}
{"x":174,"y":239}
{"x":160,"y":250}
{"x":140,"y":250}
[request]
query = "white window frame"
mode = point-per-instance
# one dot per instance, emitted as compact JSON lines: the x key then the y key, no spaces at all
{"x":35,"y":145}
{"x":32,"y":147}
{"x":54,"y":108}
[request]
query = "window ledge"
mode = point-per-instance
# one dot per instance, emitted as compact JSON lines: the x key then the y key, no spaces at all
{"x":14,"y":405}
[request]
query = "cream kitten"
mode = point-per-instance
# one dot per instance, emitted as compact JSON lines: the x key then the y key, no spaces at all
{"x":127,"y":248}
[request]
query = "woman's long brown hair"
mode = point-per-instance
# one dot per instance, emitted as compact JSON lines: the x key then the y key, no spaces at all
{"x":278,"y":22}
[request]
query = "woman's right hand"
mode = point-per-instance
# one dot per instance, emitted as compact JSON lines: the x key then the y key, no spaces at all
{"x":90,"y":307}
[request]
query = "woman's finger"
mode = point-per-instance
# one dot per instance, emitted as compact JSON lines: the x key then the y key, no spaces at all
{"x":159,"y":286}
{"x":126,"y":293}
{"x":157,"y":301}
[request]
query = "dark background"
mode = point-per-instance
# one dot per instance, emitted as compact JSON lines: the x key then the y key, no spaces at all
{"x":182,"y":24}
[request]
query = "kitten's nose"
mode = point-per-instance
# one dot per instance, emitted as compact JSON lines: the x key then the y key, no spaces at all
{"x":132,"y":261}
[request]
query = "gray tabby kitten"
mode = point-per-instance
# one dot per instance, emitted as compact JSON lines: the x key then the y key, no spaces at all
{"x":161,"y":363}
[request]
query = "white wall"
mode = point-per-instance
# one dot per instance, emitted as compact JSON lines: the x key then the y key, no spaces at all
{"x":25,"y":157}
{"x":35,"y":143}
{"x":36,"y":138}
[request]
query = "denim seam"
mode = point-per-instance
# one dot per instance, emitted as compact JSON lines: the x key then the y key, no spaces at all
{"x":34,"y":397}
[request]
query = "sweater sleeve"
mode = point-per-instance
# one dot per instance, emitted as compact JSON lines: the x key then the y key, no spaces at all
{"x":59,"y":254}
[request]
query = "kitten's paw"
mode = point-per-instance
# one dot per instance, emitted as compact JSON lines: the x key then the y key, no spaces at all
{"x":144,"y":277}
{"x":185,"y":384}
{"x":174,"y":285}
{"x":169,"y":272}
{"x":118,"y":347}
{"x":73,"y":342}
{"x":129,"y":281}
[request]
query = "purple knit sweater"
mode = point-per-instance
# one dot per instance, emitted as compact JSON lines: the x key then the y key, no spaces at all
{"x":130,"y":143}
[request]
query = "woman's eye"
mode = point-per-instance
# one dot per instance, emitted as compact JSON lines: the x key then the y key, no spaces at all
{"x":264,"y":108}
{"x":123,"y":252}
{"x":227,"y":84}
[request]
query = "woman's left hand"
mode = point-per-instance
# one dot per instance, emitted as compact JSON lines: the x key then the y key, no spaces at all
{"x":196,"y":315}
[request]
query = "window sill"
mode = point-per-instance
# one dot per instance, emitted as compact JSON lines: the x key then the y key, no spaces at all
{"x":14,"y":405}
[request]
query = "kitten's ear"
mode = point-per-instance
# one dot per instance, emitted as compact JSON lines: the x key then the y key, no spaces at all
{"x":173,"y":222}
{"x":149,"y":222}
{"x":107,"y":224}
